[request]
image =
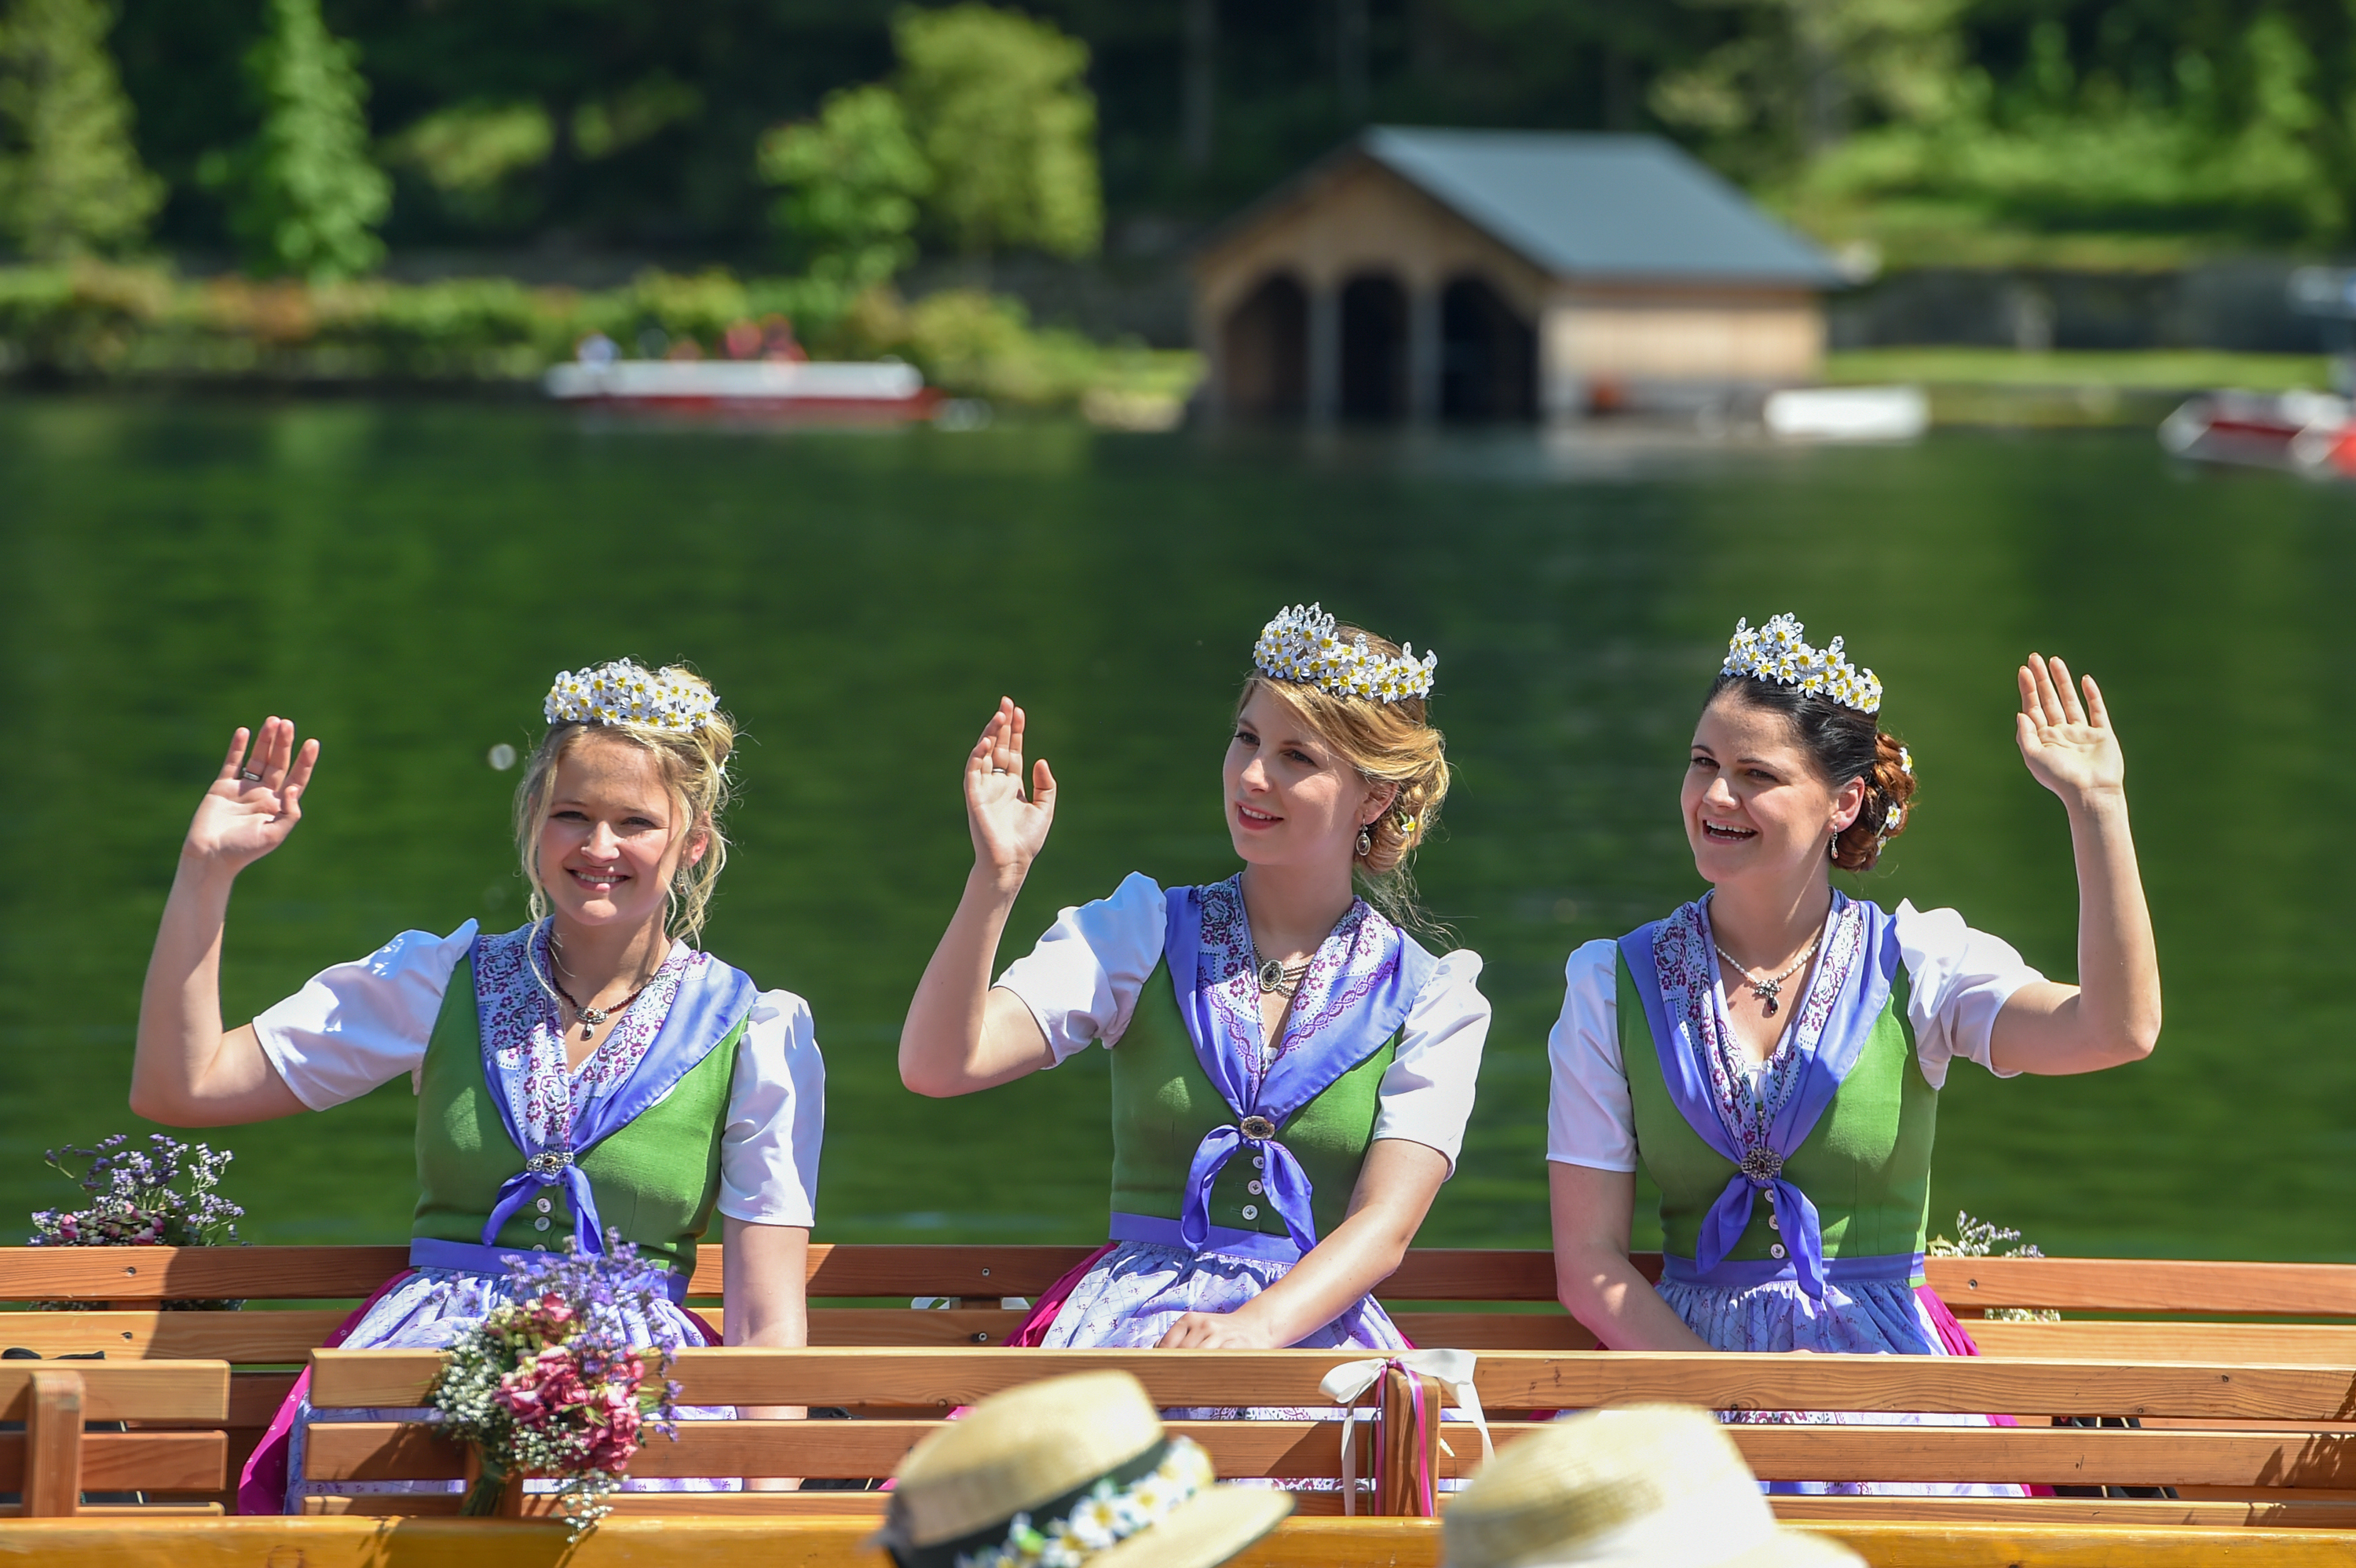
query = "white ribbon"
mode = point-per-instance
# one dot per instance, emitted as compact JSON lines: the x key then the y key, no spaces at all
{"x":1348,"y":1384}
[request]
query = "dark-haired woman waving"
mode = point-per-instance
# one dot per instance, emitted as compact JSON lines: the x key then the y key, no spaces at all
{"x":1773,"y":1050}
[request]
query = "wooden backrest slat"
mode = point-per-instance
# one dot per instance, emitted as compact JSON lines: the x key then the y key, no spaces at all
{"x":1435,"y":1275}
{"x":131,"y":1391}
{"x":386,"y":1451}
{"x":2302,"y":1344}
{"x":132,"y":1461}
{"x":2146,"y":1285}
{"x":1507,"y":1381}
{"x":251,"y":1338}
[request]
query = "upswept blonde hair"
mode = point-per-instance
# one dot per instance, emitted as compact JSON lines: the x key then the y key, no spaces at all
{"x":694,"y":767}
{"x":1386,"y":742}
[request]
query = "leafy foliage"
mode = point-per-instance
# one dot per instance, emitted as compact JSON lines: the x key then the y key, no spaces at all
{"x":1001,"y":108}
{"x":853,"y":179}
{"x":307,"y":197}
{"x":70,"y":179}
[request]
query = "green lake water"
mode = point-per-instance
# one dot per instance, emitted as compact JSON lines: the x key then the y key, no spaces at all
{"x":403,"y":578}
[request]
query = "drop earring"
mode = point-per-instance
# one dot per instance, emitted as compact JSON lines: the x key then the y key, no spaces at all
{"x":1366,"y":839}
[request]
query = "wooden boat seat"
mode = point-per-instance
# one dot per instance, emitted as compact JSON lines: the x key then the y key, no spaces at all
{"x":53,"y":1460}
{"x":2120,"y":1312}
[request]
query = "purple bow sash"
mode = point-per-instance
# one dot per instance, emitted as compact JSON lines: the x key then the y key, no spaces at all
{"x":713,"y":1002}
{"x":1262,"y":1104}
{"x":1673,"y":995}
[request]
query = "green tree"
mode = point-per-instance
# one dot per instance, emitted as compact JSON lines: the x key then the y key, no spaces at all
{"x":1000,"y":108}
{"x":70,"y":179}
{"x":305,"y":198}
{"x":852,"y":178}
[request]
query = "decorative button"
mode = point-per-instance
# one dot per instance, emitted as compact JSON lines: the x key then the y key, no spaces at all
{"x":1259,"y":1129}
{"x":1776,"y":1250}
{"x":1255,"y":1189}
{"x":1259,"y":1162}
{"x":539,"y":1246}
{"x":1775,"y":1222}
{"x":1251,"y":1210}
{"x":540,"y":1223}
{"x":1761,"y":1166}
{"x":545,"y":1205}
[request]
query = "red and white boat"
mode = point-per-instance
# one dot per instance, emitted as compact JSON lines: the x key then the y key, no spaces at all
{"x":884,"y":392}
{"x":2306,"y":433}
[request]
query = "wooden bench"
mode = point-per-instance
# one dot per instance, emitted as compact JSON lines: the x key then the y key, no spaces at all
{"x":53,"y":1460}
{"x":1486,"y":1301}
{"x":2289,"y":1471}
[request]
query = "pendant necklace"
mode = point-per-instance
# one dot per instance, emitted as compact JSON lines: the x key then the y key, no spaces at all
{"x":591,"y":1017}
{"x":1767,"y":990}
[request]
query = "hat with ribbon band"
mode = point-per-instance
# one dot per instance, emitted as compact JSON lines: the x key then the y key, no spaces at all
{"x":1639,"y":1486}
{"x":1063,"y":1473}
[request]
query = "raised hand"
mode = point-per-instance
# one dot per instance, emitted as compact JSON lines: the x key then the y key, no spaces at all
{"x":2070,"y":747}
{"x":1008,"y":828}
{"x":256,"y":801}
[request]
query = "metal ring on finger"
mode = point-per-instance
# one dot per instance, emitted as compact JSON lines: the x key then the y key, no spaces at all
{"x":249,"y":775}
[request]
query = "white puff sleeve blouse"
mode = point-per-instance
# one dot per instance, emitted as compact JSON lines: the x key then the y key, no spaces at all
{"x":1960,"y":979}
{"x":1081,"y":983}
{"x":358,"y":1025}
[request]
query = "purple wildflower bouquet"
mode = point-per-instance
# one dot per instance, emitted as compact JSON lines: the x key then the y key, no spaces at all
{"x":550,"y":1385}
{"x":167,"y":1195}
{"x":163,"y":1196}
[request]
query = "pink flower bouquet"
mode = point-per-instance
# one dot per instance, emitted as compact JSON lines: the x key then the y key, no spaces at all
{"x":550,"y":1386}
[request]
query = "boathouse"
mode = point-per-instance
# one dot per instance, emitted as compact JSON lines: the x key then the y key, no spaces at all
{"x":1503,"y":274}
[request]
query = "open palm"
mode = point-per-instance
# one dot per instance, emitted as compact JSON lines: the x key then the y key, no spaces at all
{"x":256,"y":801}
{"x":2069,"y":746}
{"x":1008,"y":829}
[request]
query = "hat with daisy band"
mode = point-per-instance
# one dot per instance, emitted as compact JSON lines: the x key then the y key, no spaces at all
{"x":1071,"y":1472}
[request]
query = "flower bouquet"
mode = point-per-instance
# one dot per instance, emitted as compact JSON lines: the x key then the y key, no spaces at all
{"x":550,"y":1385}
{"x":167,"y":1196}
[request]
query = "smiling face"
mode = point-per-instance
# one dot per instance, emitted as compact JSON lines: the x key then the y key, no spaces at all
{"x":611,"y":842}
{"x":1755,"y":803}
{"x":1291,"y":798}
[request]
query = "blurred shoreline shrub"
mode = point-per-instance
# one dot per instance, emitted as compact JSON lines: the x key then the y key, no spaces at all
{"x":853,"y":179}
{"x":93,"y":321}
{"x":70,"y":178}
{"x":305,"y":198}
{"x":1000,"y":106}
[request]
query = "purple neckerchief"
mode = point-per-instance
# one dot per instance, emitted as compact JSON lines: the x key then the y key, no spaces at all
{"x":1864,"y":991}
{"x":713,"y":1000}
{"x":1303,"y":1072}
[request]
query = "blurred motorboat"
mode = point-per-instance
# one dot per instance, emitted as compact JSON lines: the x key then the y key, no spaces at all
{"x":1848,"y":413}
{"x":884,"y":392}
{"x":2308,"y":433}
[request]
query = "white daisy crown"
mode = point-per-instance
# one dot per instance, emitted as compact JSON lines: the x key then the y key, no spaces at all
{"x":1777,"y":652}
{"x":625,"y":692}
{"x":1301,"y":644}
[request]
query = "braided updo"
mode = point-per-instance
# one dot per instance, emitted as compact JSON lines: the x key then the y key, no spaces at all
{"x":1386,"y":742}
{"x":1845,"y":745}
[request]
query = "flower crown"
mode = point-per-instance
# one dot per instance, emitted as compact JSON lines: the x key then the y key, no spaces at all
{"x":624,"y":692}
{"x":1776,"y":652}
{"x":1300,"y":644}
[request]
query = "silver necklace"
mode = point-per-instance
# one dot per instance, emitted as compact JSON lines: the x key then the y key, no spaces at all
{"x":1767,"y":990}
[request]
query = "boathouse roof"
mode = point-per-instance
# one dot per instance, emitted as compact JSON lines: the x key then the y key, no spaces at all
{"x":1583,"y":204}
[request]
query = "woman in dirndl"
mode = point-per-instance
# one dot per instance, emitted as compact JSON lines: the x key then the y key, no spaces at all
{"x":1291,"y":1072}
{"x":591,"y":1072}
{"x":1773,"y":1051}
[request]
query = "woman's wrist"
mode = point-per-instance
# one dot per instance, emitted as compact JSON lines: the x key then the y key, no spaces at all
{"x":998,"y":885}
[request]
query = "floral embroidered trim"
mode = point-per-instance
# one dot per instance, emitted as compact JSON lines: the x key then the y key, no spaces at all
{"x":1341,"y":973}
{"x":1686,"y":960}
{"x":1105,"y":1515}
{"x":525,"y":1033}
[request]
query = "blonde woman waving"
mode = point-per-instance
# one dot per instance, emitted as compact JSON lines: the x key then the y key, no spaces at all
{"x":590,"y":1070}
{"x":1291,"y":1070}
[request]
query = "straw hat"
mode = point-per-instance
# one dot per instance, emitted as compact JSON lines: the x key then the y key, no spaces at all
{"x":1068,"y":1471}
{"x":1657,"y":1485}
